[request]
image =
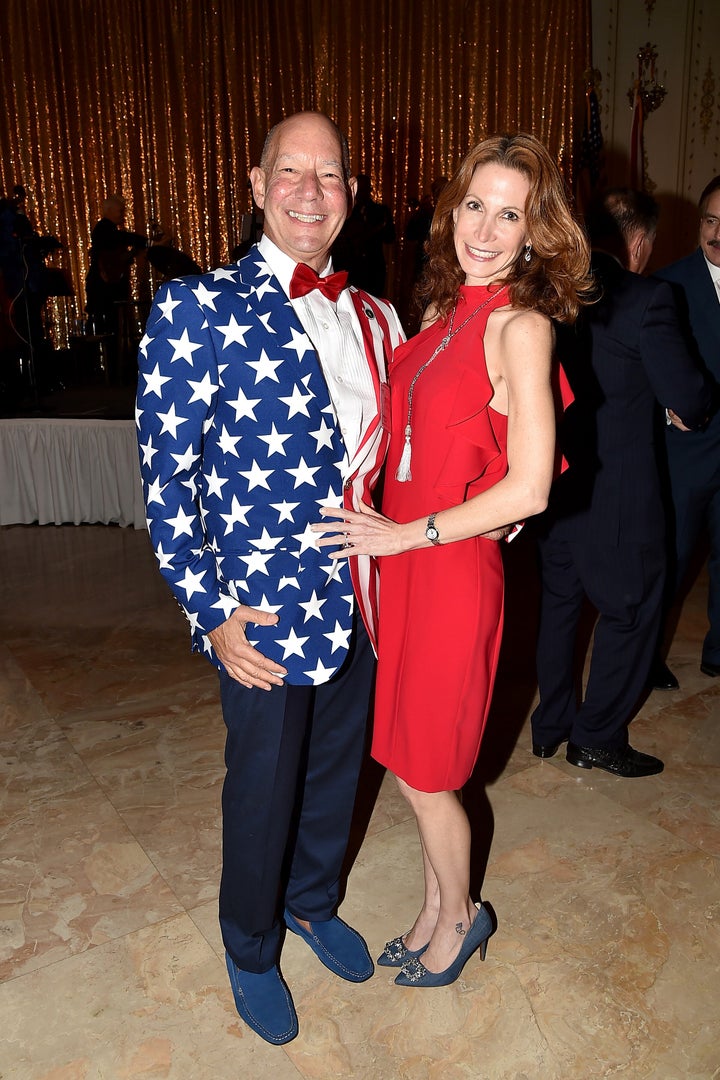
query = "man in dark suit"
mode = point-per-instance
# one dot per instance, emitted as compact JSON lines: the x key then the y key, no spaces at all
{"x":603,"y":535}
{"x":694,"y":464}
{"x":262,"y":397}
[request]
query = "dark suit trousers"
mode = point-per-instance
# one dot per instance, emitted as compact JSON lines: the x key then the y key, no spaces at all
{"x":696,"y":506}
{"x":625,"y":585}
{"x":293,"y":757}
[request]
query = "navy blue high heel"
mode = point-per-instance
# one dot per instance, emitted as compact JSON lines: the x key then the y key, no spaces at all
{"x":414,"y":972}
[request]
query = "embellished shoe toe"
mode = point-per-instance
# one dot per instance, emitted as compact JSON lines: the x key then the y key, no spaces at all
{"x":396,"y":953}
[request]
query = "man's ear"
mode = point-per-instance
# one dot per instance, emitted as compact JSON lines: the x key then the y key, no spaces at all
{"x":352,"y":188}
{"x":257,"y":182}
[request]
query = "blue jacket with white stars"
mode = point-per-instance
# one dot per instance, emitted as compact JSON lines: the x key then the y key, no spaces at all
{"x":240,"y":447}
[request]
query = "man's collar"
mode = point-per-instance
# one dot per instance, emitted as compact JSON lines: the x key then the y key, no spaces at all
{"x":282,"y":265}
{"x":714,"y":270}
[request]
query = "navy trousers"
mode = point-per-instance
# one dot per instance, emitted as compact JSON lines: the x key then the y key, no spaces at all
{"x":625,"y":585}
{"x":696,"y":505}
{"x":293,"y":757}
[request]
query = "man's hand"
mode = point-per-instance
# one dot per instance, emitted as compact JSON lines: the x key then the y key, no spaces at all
{"x":675,"y":420}
{"x":498,"y":534}
{"x":241,"y":660}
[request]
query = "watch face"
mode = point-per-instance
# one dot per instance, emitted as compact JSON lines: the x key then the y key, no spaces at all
{"x":432,"y":533}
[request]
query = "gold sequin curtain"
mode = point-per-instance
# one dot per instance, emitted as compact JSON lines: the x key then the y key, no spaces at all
{"x":168,"y":101}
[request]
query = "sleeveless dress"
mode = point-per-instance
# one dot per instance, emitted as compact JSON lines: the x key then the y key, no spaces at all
{"x":441,"y":608}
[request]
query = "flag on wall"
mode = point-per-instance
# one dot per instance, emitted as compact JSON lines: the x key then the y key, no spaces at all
{"x":592,"y":140}
{"x":637,"y":147}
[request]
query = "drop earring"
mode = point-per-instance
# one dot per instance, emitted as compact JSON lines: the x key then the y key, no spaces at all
{"x":528,"y":249}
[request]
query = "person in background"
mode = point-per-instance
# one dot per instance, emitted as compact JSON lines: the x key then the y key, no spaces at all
{"x":694,"y":463}
{"x":112,"y":251}
{"x":603,"y":536}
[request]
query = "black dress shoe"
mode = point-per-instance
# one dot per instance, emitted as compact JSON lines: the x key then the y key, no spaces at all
{"x":710,"y":669}
{"x":662,"y":678}
{"x":622,"y":762}
{"x":545,"y":751}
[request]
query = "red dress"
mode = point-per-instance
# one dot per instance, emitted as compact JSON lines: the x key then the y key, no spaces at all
{"x":441,"y":608}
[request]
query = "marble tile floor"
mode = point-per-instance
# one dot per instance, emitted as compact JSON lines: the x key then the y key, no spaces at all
{"x":606,"y":961}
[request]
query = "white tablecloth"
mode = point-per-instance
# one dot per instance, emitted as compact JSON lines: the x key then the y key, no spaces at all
{"x":56,"y":471}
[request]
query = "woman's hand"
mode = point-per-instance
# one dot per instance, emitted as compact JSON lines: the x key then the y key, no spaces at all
{"x":364,"y":533}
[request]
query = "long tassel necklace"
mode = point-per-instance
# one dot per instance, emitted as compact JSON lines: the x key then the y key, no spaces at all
{"x":404,"y":472}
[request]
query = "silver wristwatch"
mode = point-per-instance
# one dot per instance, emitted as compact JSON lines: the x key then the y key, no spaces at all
{"x":432,"y":532}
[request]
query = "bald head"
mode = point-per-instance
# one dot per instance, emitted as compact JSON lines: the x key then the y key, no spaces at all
{"x":303,"y":186}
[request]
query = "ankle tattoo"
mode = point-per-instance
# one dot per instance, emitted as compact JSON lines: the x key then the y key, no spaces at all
{"x":459,"y":929}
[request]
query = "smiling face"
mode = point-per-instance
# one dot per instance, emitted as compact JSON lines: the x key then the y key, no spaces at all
{"x":302,"y":189}
{"x":490,"y":224}
{"x":710,"y":229}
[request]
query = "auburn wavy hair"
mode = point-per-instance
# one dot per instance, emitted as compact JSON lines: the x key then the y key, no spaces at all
{"x":557,"y":279}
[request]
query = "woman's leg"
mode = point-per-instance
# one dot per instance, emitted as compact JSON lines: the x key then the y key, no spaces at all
{"x":448,"y":912}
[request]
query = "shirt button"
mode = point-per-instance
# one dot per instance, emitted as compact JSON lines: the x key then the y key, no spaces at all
{"x":326,"y":326}
{"x":338,"y":378}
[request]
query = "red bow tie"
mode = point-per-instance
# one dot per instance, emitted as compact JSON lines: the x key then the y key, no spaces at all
{"x":305,"y":279}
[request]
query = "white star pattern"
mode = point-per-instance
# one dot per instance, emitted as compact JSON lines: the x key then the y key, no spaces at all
{"x":204,"y":297}
{"x":185,"y":461}
{"x":323,"y":435}
{"x":183,"y":348}
{"x":265,"y":368}
{"x":307,"y":538}
{"x":244,"y":406}
{"x":266,"y":541}
{"x":275,"y":441}
{"x":154,"y":381}
{"x":312,"y":607}
{"x":203,"y":390}
{"x":257,"y":477}
{"x":264,"y":287}
{"x":233,"y":333}
{"x":167,"y":306}
{"x":224,"y":273}
{"x":228,"y":442}
{"x":292,"y":644}
{"x":300,"y":343}
{"x":304,"y":474}
{"x":339,"y":638}
{"x":285,"y":510}
{"x":144,"y":342}
{"x":265,"y":605}
{"x":227,"y":604}
{"x":182,"y":523}
{"x":320,"y":674}
{"x":215,"y":483}
{"x":154,"y":492}
{"x":257,"y":562}
{"x":219,"y":407}
{"x":171,"y":422}
{"x":331,"y":499}
{"x":190,"y":582}
{"x":237,"y":516}
{"x":164,"y":560}
{"x":149,"y":451}
{"x":297,"y":402}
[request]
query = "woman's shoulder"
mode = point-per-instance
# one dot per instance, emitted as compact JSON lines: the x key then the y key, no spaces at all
{"x":517,"y":321}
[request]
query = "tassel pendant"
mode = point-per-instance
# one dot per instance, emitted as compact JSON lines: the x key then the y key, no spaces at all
{"x":403,"y":473}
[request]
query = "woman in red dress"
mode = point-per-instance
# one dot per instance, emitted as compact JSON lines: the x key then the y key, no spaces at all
{"x":472,"y":452}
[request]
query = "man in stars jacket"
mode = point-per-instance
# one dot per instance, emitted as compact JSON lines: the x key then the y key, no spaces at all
{"x":261,"y":398}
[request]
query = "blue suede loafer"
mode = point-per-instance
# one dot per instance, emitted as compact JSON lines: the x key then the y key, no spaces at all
{"x":337,"y":945}
{"x":264,"y":1002}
